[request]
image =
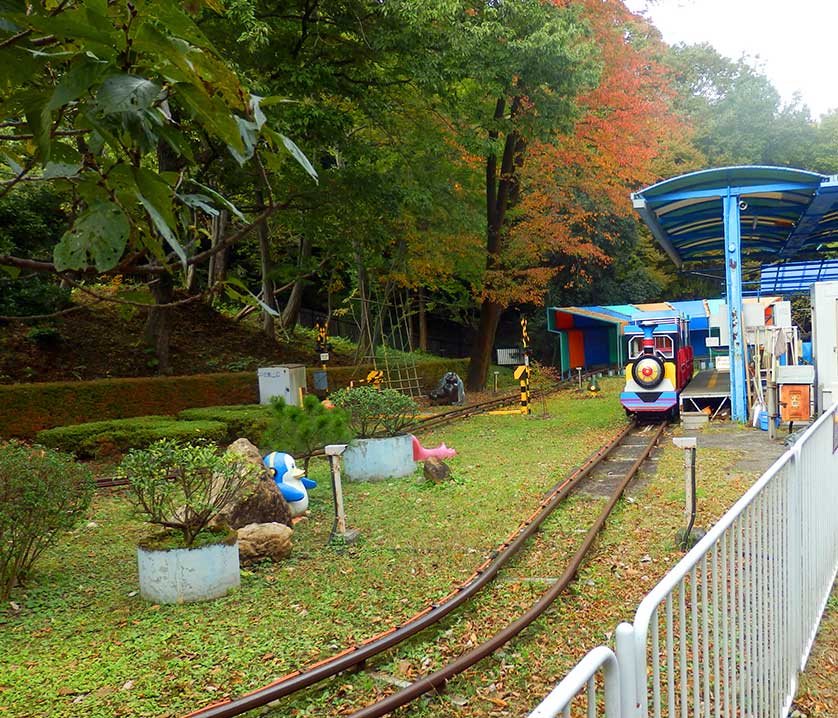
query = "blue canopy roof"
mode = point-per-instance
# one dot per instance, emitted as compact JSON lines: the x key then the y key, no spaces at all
{"x":783,"y":212}
{"x":795,"y":277}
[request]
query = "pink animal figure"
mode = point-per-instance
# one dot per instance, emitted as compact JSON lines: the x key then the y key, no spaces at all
{"x":420,"y":453}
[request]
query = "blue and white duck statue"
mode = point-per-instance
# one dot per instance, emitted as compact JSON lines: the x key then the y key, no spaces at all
{"x":292,"y":481}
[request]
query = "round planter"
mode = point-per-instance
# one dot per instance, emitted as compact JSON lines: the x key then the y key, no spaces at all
{"x":185,"y":575}
{"x":377,"y":459}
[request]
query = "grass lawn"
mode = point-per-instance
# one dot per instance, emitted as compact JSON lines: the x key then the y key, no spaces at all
{"x":79,"y":640}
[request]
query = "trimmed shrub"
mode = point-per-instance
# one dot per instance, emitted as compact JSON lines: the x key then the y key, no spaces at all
{"x":26,"y":409}
{"x":248,"y":420}
{"x":302,"y":430}
{"x":184,"y":486}
{"x":42,"y":492}
{"x":100,"y":438}
{"x":375,"y":412}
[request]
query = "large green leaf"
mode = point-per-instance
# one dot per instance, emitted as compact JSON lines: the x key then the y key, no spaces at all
{"x":156,"y":197}
{"x":281,"y":140}
{"x":82,"y":75}
{"x":39,"y":119}
{"x":101,"y":232}
{"x":218,"y":197}
{"x":126,"y":93}
{"x":214,"y":115}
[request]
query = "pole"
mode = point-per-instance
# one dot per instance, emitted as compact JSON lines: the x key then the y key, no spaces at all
{"x":339,"y":530}
{"x":688,"y":444}
{"x":524,"y":371}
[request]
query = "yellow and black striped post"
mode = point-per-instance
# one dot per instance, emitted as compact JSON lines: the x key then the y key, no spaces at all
{"x":522,"y":373}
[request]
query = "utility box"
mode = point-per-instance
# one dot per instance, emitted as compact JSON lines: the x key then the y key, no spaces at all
{"x":285,"y":380}
{"x":824,"y":297}
{"x":794,"y":402}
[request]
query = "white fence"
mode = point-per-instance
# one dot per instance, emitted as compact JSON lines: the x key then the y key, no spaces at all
{"x":728,"y":630}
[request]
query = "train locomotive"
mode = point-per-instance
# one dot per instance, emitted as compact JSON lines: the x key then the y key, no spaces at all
{"x":660,"y":364}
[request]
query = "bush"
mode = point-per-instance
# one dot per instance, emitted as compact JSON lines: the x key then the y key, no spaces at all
{"x":372,"y":411}
{"x":300,"y":431}
{"x":183,"y":486}
{"x":248,"y":420}
{"x":42,"y":492}
{"x":100,"y":438}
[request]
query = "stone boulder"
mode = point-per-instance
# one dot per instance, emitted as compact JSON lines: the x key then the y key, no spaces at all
{"x":265,"y":540}
{"x":436,"y":470}
{"x":260,"y":501}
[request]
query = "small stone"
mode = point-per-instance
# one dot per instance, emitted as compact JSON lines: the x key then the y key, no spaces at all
{"x":92,"y":525}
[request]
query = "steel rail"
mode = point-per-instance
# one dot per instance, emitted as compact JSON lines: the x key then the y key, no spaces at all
{"x":437,"y":679}
{"x":436,"y":611}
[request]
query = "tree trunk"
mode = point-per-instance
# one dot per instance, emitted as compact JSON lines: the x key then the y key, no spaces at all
{"x":501,"y":189}
{"x":291,"y":313}
{"x":265,"y":262}
{"x":218,"y":261}
{"x":422,"y":320}
{"x":481,"y":353}
{"x":364,"y":346}
{"x":158,"y":327}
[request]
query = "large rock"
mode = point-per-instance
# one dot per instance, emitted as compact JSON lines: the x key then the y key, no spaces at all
{"x":260,"y":501}
{"x":436,"y":470}
{"x":266,"y":540}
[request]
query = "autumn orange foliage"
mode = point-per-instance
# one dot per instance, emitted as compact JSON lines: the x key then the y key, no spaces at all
{"x":574,"y":179}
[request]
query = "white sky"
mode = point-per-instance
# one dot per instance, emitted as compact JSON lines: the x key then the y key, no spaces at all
{"x":793,"y":42}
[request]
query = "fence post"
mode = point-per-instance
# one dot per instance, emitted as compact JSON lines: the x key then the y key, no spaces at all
{"x":627,"y":661}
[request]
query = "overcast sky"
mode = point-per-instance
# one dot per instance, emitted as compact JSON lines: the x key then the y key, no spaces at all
{"x":792,"y":42}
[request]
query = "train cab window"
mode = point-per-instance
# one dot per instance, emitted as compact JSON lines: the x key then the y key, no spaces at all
{"x":635,"y":347}
{"x":663,"y":344}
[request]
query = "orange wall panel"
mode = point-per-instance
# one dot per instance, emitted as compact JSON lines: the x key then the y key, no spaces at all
{"x":576,"y":347}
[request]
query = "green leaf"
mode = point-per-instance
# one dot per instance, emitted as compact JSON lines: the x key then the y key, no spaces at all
{"x":126,"y":93}
{"x":156,"y":197}
{"x":198,"y":201}
{"x":214,"y":115}
{"x":296,"y":152}
{"x":53,"y":170}
{"x":220,"y":198}
{"x":249,"y":297}
{"x":39,"y":119}
{"x":101,"y":232}
{"x":13,"y":272}
{"x":10,"y":161}
{"x":81,"y":76}
{"x":179,"y":24}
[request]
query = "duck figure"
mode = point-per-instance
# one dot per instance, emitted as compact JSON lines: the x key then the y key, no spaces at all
{"x":291,"y":481}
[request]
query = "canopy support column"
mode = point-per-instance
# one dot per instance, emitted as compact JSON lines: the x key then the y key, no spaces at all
{"x":733,"y":292}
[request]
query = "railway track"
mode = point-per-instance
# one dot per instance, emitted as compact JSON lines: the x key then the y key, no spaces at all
{"x":620,"y":460}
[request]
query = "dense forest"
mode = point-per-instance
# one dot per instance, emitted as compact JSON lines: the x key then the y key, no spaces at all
{"x":464,"y":157}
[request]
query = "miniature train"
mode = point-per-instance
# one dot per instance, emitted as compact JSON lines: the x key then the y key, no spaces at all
{"x":660,"y":364}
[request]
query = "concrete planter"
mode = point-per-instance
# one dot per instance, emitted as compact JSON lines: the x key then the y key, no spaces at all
{"x":378,"y":459}
{"x":185,"y":575}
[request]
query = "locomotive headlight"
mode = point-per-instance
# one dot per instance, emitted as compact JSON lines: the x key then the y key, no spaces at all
{"x":648,"y":371}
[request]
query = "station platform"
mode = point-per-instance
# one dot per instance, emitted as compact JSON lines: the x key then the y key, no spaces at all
{"x":709,"y":388}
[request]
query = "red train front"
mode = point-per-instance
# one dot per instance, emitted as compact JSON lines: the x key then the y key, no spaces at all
{"x":660,"y":364}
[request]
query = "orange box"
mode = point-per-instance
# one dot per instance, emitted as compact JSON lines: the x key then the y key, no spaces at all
{"x":794,"y":402}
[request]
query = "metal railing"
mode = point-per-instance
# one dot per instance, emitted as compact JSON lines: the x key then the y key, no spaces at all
{"x":728,"y":630}
{"x":558,"y":701}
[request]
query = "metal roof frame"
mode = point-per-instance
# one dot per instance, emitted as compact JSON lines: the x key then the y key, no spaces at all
{"x":731,"y":214}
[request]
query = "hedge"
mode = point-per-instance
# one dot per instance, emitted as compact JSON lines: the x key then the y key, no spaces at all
{"x":101,"y":438}
{"x":249,"y":421}
{"x":26,"y":409}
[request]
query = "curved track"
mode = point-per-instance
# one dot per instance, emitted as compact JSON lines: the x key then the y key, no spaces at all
{"x":434,"y":612}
